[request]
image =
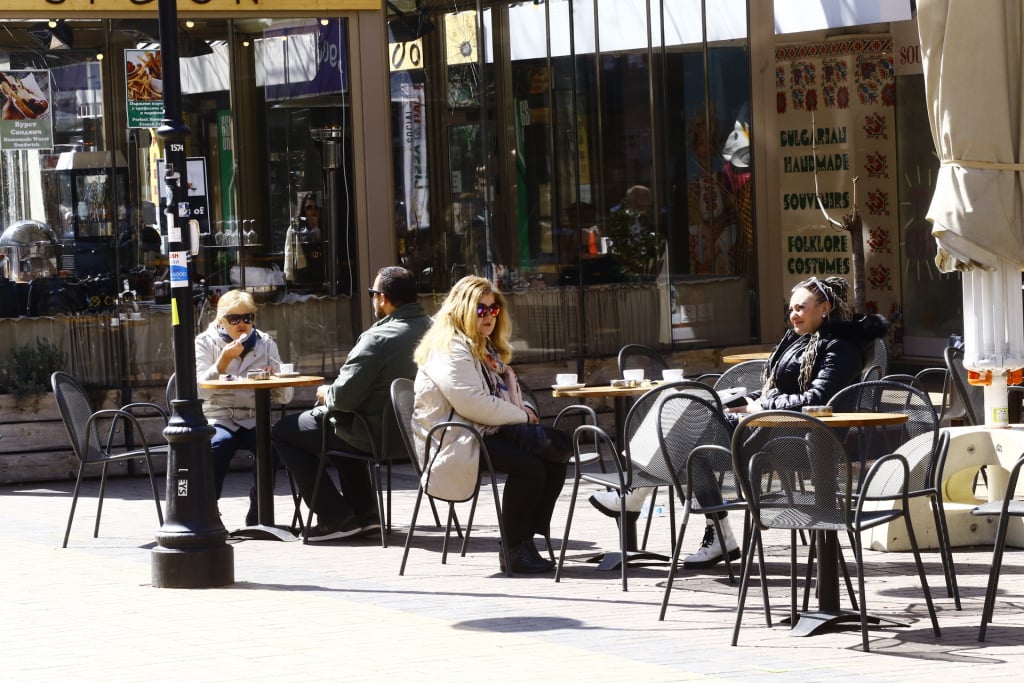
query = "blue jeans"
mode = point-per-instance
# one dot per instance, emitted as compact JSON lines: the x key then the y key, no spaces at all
{"x":223,"y":447}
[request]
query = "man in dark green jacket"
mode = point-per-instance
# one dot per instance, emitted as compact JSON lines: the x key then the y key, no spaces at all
{"x":381,"y":354}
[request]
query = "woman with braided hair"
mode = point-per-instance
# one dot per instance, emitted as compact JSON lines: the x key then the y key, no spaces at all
{"x":823,"y":351}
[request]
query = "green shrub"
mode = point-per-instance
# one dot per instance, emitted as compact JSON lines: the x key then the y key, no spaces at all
{"x":28,"y":367}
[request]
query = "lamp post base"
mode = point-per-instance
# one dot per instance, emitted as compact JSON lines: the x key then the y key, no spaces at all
{"x":211,"y":567}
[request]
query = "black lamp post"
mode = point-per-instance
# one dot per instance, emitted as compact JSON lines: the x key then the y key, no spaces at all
{"x":191,"y":547}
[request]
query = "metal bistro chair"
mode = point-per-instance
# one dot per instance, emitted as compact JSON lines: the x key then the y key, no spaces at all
{"x":638,"y":356}
{"x":374,"y":459}
{"x":641,"y":442}
{"x":695,"y":440}
{"x":876,"y":365}
{"x":917,"y":439}
{"x":770,"y":447}
{"x":434,"y":437}
{"x":403,"y":397}
{"x":83,"y":426}
{"x":971,"y":397}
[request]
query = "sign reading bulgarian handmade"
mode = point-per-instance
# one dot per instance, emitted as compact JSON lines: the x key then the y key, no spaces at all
{"x":835,"y":102}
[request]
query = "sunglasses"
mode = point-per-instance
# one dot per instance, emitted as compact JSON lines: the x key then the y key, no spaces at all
{"x":817,"y":283}
{"x":373,"y":292}
{"x":483,"y":310}
{"x":235,"y":318}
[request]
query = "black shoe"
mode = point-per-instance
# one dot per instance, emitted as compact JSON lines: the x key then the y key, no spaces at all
{"x":522,"y":562}
{"x":532,"y":551}
{"x":252,"y":517}
{"x":369,"y":523}
{"x":333,"y":530}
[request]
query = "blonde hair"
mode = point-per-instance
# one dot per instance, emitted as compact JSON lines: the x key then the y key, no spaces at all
{"x":457,"y":319}
{"x":236,"y":297}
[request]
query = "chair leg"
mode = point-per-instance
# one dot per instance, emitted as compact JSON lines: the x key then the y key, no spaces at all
{"x":623,"y":545}
{"x":412,"y":529}
{"x":74,"y":503}
{"x":993,"y":575}
{"x":152,"y":485}
{"x":297,"y":526}
{"x":718,"y":531}
{"x":748,"y":561}
{"x":388,"y":465}
{"x":858,"y":554}
{"x":99,"y":504}
{"x":568,"y":525}
{"x":373,"y":469}
{"x":676,"y":549}
{"x":501,"y":525}
{"x":312,"y":499}
{"x":792,"y":579}
{"x":469,"y":522}
{"x":920,"y":572}
{"x":812,"y":554}
{"x":650,"y":517}
{"x":945,"y":549}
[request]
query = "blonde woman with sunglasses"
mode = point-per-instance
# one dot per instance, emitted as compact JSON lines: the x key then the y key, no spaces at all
{"x":464,"y":376}
{"x":232,"y":345}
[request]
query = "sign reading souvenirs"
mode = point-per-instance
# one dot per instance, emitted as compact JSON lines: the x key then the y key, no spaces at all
{"x":25,"y":115}
{"x":144,"y":85}
{"x":835,"y":103}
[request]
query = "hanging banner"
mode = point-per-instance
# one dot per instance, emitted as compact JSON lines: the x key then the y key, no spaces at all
{"x":414,"y":156}
{"x":835,"y":102}
{"x":25,"y":120}
{"x":144,"y":88}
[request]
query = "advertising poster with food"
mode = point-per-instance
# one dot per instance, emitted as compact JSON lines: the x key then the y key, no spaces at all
{"x":143,"y":74}
{"x":25,"y":120}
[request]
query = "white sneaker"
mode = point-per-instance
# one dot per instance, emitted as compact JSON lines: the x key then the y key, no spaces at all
{"x":710,"y":552}
{"x":608,"y":501}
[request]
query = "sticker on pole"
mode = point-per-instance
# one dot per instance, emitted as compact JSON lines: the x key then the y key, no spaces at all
{"x":179,"y":269}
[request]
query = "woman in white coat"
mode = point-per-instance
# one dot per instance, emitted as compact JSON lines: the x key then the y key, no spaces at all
{"x":464,"y":376}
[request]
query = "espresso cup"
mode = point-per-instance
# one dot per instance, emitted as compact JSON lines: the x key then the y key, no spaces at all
{"x":287,"y":368}
{"x":636,"y":375}
{"x":672,"y":375}
{"x":565,"y":379}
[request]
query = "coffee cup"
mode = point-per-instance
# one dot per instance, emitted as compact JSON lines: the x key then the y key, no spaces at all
{"x":637,"y":375}
{"x":565,"y":379}
{"x":287,"y":368}
{"x":672,"y":375}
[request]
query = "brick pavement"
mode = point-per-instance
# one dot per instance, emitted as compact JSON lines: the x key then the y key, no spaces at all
{"x":340,"y":611}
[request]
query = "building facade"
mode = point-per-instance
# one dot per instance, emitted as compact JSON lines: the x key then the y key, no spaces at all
{"x":628,"y":172}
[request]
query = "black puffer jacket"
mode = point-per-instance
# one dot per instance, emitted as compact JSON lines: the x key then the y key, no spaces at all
{"x":846,"y":345}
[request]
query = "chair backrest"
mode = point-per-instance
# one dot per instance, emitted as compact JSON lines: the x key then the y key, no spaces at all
{"x":747,"y":374}
{"x":925,"y":460}
{"x":878,"y":355}
{"x":403,"y":397}
{"x":871,"y":373}
{"x":792,"y":470}
{"x":635,"y":356}
{"x":867,"y":443}
{"x":641,"y":430}
{"x":75,"y":409}
{"x":909,"y":380}
{"x":971,"y":397}
{"x":687,"y":421}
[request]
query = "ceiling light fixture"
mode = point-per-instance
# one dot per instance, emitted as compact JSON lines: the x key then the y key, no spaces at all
{"x":190,"y":24}
{"x":52,"y":23}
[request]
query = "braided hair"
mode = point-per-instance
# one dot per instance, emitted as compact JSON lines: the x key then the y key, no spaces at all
{"x":834,"y":290}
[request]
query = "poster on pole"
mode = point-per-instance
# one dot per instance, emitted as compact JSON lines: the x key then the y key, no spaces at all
{"x":25,"y":120}
{"x":197,"y":196}
{"x":144,"y":88}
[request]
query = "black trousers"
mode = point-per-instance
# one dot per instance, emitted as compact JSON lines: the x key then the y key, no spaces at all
{"x":296,"y":439}
{"x":532,"y":487}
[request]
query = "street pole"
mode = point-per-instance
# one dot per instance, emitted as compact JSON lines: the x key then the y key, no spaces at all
{"x":191,"y":547}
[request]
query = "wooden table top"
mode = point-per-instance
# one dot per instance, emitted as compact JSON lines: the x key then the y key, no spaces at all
{"x":604,"y":391}
{"x":273,"y":382}
{"x":734,"y":358}
{"x":853,"y":419}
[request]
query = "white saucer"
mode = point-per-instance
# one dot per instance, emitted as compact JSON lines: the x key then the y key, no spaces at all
{"x":567,"y":387}
{"x":287,"y":374}
{"x":729,"y":395}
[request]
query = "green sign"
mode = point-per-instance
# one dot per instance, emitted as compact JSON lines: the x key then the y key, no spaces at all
{"x":144,"y":88}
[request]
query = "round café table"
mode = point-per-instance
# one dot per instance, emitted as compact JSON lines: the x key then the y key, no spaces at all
{"x":265,"y":529}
